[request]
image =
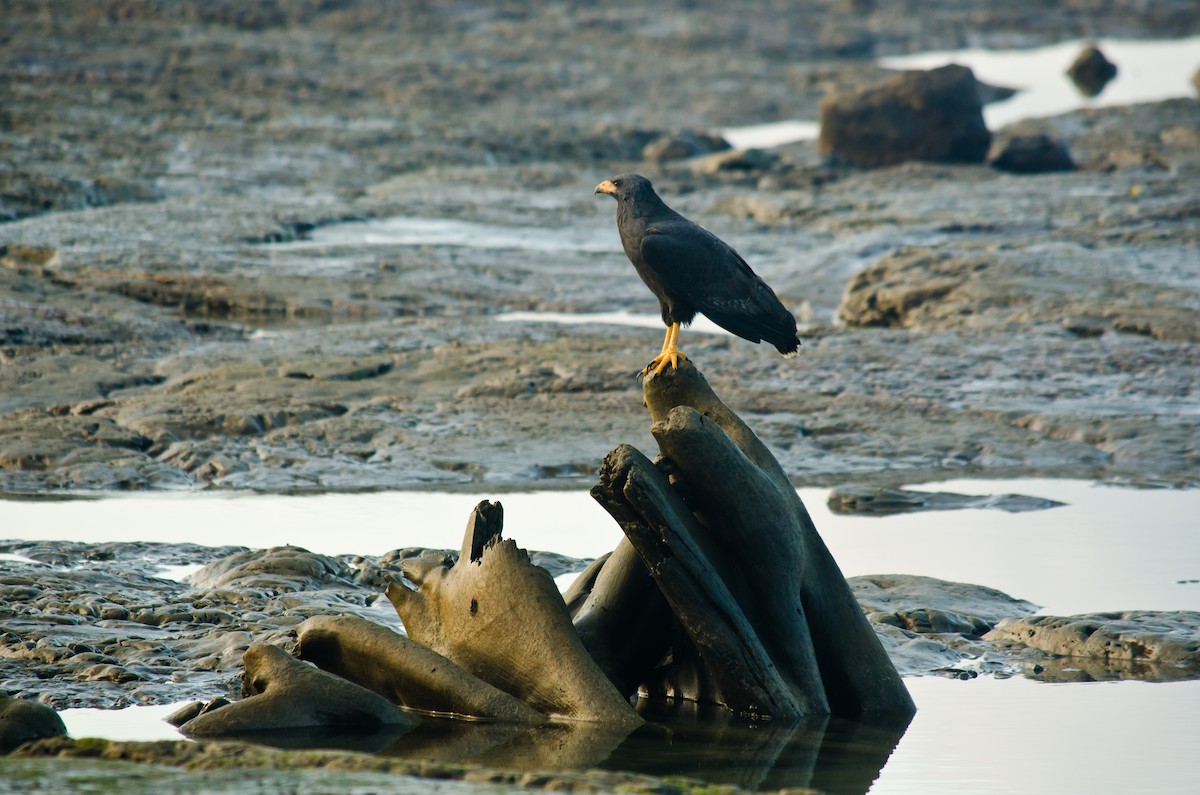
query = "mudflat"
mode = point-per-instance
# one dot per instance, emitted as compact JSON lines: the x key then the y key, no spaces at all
{"x":180,"y":310}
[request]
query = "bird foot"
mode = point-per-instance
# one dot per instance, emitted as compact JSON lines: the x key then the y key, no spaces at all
{"x":660,"y":362}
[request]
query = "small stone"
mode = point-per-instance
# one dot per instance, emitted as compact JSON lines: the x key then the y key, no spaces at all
{"x":736,"y":160}
{"x":682,"y":145}
{"x":1086,"y":326}
{"x":184,"y":713}
{"x":1033,"y":154}
{"x":1091,"y":71}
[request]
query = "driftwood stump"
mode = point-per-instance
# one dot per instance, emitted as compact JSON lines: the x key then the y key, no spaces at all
{"x":502,"y":619}
{"x":282,"y":693}
{"x":769,"y":625}
{"x":721,"y":595}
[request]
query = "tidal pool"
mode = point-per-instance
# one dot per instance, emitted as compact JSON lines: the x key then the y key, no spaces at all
{"x":616,"y":318}
{"x":1148,"y":71}
{"x":408,"y":231}
{"x":1108,"y":548}
{"x":979,"y":736}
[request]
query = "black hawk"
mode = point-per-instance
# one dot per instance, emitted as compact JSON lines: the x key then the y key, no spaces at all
{"x":692,"y":271}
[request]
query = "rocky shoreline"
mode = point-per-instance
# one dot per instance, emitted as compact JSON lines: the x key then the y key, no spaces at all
{"x":172,"y":317}
{"x":166,"y":326}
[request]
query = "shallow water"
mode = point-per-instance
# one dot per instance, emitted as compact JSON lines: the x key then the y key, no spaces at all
{"x":1148,"y":71}
{"x":1108,"y":548}
{"x":979,"y":736}
{"x":616,"y":318}
{"x":408,"y":231}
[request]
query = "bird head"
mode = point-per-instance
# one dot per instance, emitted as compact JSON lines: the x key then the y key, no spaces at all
{"x":624,"y":187}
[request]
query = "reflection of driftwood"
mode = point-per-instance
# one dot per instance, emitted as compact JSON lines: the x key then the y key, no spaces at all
{"x":503,"y":620}
{"x":722,"y":595}
{"x":773,"y":626}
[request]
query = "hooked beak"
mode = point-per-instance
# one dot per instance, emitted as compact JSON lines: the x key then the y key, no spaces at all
{"x":606,"y":187}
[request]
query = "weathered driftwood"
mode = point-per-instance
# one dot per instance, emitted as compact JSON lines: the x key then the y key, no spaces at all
{"x":403,"y":671}
{"x":773,"y":627}
{"x":502,"y":619}
{"x":621,"y":617}
{"x":722,"y":593}
{"x":281,"y":692}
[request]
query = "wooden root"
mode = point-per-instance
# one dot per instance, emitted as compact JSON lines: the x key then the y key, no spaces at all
{"x":773,"y":628}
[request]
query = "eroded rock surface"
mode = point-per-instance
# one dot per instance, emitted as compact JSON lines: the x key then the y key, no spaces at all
{"x":225,"y":327}
{"x":1132,"y":644}
{"x":98,"y":621}
{"x":882,"y":500}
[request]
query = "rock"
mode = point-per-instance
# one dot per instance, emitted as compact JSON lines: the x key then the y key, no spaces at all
{"x":989,"y":93}
{"x":908,"y":595}
{"x":901,"y":287}
{"x":279,"y":569}
{"x":1091,"y":71}
{"x":682,"y":145}
{"x":1139,"y":635}
{"x":1086,"y":326}
{"x":281,"y":692}
{"x":735,"y":160}
{"x":22,"y":721}
{"x":1147,"y":157}
{"x":880,"y":500}
{"x":1032,"y":154}
{"x":934,"y":116}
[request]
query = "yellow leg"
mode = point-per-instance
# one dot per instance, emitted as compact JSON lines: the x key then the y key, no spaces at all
{"x":669,"y":354}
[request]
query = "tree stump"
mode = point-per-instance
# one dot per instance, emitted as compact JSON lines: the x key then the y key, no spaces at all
{"x":771,"y":627}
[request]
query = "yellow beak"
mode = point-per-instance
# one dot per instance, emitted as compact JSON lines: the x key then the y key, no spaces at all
{"x":606,"y":187}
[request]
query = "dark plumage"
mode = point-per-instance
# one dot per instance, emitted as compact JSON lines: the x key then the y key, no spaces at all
{"x":693,"y":271}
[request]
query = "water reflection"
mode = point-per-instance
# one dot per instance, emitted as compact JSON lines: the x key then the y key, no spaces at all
{"x":985,"y":735}
{"x":833,"y":755}
{"x":830,"y":754}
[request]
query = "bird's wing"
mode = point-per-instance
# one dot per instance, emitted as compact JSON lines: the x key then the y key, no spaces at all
{"x":706,"y":272}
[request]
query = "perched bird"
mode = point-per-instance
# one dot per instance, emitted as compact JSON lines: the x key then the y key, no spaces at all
{"x":692,"y":271}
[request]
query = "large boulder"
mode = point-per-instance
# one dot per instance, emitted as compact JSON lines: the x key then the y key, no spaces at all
{"x":934,"y":116}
